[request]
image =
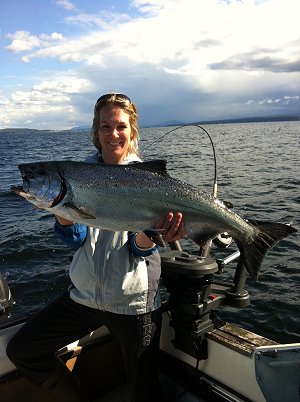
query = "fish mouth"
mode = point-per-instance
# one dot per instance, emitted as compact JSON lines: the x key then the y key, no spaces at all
{"x":22,"y":189}
{"x":26,"y":182}
{"x":17,"y":189}
{"x":25,"y":185}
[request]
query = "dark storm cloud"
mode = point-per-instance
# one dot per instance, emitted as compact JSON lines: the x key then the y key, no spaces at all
{"x":255,"y":61}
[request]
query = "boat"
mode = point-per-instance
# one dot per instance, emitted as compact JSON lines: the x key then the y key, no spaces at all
{"x":201,"y":357}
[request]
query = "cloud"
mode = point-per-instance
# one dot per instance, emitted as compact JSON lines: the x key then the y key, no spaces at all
{"x":3,"y":100}
{"x":66,"y":4}
{"x":212,"y":59}
{"x":24,"y":41}
{"x":290,"y":99}
{"x":103,"y":19}
{"x":47,"y":101}
{"x":150,"y":7}
{"x":171,"y":34}
{"x":257,"y":60}
{"x":283,"y":105}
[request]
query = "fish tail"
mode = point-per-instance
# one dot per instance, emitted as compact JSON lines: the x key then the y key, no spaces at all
{"x":268,"y":235}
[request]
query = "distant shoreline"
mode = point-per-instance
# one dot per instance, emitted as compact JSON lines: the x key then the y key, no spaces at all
{"x":236,"y":120}
{"x":171,"y":123}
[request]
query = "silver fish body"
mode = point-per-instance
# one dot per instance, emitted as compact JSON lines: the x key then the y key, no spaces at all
{"x":133,"y":197}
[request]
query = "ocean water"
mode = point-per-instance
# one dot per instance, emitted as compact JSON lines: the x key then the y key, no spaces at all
{"x":258,"y":170}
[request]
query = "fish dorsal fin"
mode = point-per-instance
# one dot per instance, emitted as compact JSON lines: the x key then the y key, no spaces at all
{"x":155,"y":165}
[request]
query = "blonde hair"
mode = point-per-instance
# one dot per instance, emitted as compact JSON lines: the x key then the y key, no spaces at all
{"x":122,"y":101}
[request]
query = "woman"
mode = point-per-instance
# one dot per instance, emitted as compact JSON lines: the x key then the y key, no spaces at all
{"x":114,"y":276}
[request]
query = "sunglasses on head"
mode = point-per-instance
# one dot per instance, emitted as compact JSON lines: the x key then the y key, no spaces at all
{"x":119,"y":97}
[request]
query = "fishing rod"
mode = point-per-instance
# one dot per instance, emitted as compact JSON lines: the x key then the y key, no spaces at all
{"x":215,"y":185}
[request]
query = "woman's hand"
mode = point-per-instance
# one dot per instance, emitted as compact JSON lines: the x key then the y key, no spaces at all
{"x":63,"y":221}
{"x":172,"y":229}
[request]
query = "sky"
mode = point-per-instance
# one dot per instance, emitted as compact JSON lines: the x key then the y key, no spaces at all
{"x":178,"y":60}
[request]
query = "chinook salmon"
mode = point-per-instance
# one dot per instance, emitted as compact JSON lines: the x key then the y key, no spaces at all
{"x":132,"y":198}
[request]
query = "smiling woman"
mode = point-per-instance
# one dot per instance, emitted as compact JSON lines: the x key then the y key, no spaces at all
{"x":114,"y":134}
{"x":114,"y":273}
{"x":116,"y":116}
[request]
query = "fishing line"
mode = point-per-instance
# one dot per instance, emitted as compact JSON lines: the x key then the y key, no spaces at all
{"x":215,"y":185}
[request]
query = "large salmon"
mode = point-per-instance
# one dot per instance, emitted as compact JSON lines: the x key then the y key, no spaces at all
{"x":133,"y":197}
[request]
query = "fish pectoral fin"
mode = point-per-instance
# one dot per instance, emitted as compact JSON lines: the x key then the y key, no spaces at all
{"x":78,"y":212}
{"x":155,"y":235}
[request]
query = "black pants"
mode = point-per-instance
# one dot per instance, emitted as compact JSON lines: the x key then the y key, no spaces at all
{"x":33,"y":348}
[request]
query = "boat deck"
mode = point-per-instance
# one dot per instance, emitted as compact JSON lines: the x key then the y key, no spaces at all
{"x":174,"y":392}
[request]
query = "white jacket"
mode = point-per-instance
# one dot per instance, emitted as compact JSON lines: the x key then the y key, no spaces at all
{"x":107,"y":275}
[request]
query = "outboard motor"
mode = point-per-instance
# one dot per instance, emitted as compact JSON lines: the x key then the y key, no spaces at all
{"x":195,"y":297}
{"x":6,"y":301}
